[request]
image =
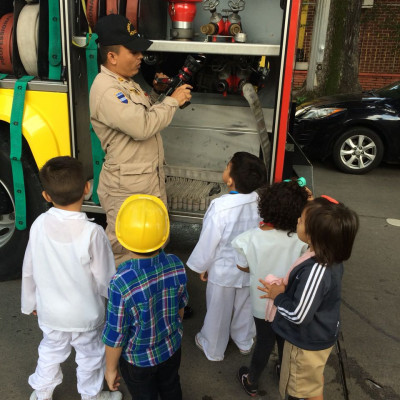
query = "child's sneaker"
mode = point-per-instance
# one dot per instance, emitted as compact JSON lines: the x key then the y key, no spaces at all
{"x":34,"y":396}
{"x":250,"y":389}
{"x":245,"y":352}
{"x":198,"y":344}
{"x":109,"y":396}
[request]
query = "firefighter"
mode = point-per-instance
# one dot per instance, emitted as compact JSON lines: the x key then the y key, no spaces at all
{"x":128,"y":122}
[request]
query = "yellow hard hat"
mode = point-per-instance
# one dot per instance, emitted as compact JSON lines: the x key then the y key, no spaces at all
{"x":142,"y":224}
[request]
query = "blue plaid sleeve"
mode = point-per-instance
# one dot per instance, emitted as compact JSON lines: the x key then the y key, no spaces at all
{"x":115,"y":332}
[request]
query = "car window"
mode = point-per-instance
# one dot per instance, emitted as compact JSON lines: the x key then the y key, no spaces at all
{"x":391,"y":91}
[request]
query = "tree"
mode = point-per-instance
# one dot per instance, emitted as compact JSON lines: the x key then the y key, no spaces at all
{"x":338,"y":72}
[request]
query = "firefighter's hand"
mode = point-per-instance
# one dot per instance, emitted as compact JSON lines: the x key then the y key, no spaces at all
{"x":182,"y":94}
{"x":160,"y":82}
{"x":204,"y":276}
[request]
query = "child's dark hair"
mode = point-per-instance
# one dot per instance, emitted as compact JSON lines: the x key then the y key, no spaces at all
{"x":247,"y":171}
{"x":63,"y":179}
{"x":281,"y":205}
{"x":332,"y":228}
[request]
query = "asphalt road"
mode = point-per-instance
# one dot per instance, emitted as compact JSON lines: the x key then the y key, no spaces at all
{"x":369,"y":361}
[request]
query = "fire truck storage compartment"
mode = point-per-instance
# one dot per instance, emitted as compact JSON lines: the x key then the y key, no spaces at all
{"x":203,"y":137}
{"x":29,"y":44}
{"x":261,"y":20}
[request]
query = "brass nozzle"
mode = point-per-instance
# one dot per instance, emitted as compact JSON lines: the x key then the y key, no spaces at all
{"x":208,"y":29}
{"x":234,"y":29}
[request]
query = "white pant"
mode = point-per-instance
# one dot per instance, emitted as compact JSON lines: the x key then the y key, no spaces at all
{"x":228,"y":313}
{"x":55,"y":348}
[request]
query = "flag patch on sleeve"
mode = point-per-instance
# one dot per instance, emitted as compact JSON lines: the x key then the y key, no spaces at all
{"x":121,"y":97}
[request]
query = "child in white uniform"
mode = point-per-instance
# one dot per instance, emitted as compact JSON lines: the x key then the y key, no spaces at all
{"x":269,"y":249}
{"x":227,"y":293}
{"x":67,"y":267}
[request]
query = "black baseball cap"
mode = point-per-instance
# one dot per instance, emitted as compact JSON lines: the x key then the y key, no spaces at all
{"x":116,"y":29}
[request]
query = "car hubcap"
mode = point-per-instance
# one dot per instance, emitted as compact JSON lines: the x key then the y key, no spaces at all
{"x":7,"y":215}
{"x":358,"y":152}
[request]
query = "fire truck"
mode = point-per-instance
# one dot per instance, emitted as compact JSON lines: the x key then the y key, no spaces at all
{"x":237,"y":54}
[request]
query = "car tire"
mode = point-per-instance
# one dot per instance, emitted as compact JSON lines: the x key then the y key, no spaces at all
{"x":358,"y":151}
{"x":12,"y":241}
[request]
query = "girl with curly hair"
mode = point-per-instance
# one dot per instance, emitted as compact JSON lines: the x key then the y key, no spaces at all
{"x":270,"y":248}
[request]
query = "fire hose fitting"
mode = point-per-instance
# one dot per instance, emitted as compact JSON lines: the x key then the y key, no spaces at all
{"x":217,"y":23}
{"x":182,"y":14}
{"x":222,"y":86}
{"x":234,"y":29}
{"x":209,"y":29}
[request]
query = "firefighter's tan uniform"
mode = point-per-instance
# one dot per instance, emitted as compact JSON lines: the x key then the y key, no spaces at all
{"x":128,"y":126}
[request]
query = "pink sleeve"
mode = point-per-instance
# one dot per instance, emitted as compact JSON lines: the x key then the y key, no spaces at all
{"x":270,"y":309}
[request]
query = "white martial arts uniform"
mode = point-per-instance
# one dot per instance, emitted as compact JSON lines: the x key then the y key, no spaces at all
{"x":228,"y":296}
{"x":67,"y":267}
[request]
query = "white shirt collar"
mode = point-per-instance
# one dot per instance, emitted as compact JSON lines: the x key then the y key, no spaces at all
{"x":65,"y":214}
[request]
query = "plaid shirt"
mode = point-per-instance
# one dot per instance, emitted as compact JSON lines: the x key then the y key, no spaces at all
{"x":142,"y":314}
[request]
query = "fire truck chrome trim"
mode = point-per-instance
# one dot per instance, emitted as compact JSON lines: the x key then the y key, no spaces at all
{"x":36,"y":85}
{"x":68,"y":34}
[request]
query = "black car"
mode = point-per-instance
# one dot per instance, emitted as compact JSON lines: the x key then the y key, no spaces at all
{"x":358,"y":130}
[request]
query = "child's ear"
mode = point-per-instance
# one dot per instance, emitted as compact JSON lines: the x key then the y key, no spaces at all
{"x":47,"y":197}
{"x":86,"y":190}
{"x":229,"y":182}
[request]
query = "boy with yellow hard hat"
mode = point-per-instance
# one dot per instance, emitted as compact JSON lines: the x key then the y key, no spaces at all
{"x":147,"y":296}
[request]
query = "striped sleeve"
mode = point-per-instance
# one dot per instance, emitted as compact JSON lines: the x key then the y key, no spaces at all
{"x":302,"y":305}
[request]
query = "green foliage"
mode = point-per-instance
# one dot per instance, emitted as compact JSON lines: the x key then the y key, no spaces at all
{"x":301,"y":99}
{"x":303,"y":96}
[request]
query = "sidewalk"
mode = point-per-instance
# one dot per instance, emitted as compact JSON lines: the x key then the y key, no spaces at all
{"x":201,"y":379}
{"x":370,"y":305}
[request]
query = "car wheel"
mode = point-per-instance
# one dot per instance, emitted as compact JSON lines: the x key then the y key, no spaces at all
{"x":358,"y":151}
{"x":13,"y":241}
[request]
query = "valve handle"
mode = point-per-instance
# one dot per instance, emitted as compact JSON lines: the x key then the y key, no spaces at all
{"x":210,"y":5}
{"x":236,"y":5}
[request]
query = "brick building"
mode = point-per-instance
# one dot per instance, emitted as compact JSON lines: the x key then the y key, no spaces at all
{"x":379,"y":43}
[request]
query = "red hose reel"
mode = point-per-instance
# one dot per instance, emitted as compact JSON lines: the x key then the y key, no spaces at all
{"x":112,"y":7}
{"x":6,"y":34}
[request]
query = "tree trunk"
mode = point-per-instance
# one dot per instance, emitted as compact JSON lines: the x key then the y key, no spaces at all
{"x":339,"y":72}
